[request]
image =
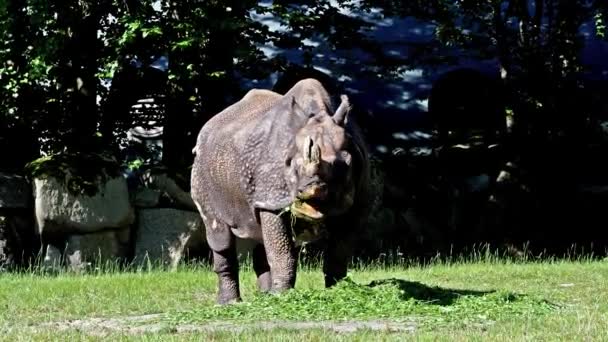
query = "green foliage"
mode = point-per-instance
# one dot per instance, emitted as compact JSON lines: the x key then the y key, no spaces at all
{"x":600,"y":25}
{"x":55,"y":55}
{"x":135,"y":164}
{"x":393,"y":298}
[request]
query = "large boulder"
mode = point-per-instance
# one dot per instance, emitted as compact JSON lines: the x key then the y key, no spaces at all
{"x":165,"y":235}
{"x":154,"y":188}
{"x":159,"y":183}
{"x":6,"y":254}
{"x":61,"y":211}
{"x":18,"y":241}
{"x":16,"y":226}
{"x":146,"y":198}
{"x":52,"y":257}
{"x":97,"y":248}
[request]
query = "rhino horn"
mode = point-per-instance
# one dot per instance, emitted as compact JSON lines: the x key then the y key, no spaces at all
{"x":307,"y":148}
{"x":342,"y":111}
{"x":316,"y":154}
{"x":312,"y":151}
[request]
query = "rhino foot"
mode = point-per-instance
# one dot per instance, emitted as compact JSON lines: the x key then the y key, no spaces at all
{"x":226,"y":300}
{"x":265,"y":282}
{"x":278,"y":290}
{"x":336,"y":257}
{"x":225,"y":264}
{"x":228,"y":291}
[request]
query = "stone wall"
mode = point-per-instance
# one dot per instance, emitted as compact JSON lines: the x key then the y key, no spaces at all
{"x":112,"y":226}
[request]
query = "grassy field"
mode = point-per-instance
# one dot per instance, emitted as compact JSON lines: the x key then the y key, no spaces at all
{"x":480,"y":300}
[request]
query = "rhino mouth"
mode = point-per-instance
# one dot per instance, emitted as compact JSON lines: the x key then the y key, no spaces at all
{"x":307,"y":209}
{"x":309,"y":203}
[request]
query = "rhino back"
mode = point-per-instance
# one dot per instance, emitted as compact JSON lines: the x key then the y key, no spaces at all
{"x":253,"y":105}
{"x":219,"y":166}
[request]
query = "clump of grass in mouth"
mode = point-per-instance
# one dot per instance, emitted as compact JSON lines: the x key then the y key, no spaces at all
{"x":395,"y":299}
{"x":304,"y":228}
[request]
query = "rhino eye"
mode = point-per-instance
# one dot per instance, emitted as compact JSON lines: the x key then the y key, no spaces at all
{"x":288,"y":162}
{"x":346,"y":157}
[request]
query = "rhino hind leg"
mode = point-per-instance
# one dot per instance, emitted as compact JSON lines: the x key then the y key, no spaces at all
{"x":225,"y":265}
{"x":262,"y":268}
{"x":225,"y":261}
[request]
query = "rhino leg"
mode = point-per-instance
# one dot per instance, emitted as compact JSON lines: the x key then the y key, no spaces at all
{"x":261,"y":268}
{"x":335,"y":259}
{"x":225,"y":264}
{"x":225,"y":261}
{"x":280,"y":251}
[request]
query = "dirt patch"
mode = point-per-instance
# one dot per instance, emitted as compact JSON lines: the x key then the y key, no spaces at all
{"x":155,"y":323}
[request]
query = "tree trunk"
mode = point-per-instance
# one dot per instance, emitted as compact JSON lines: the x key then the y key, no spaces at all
{"x":83,"y":51}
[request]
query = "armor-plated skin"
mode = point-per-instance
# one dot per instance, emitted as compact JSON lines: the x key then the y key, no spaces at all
{"x":269,"y":152}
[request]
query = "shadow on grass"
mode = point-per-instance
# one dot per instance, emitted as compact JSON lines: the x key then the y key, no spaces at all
{"x":433,"y":295}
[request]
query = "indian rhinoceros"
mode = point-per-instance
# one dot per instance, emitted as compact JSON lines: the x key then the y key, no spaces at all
{"x":268,"y":161}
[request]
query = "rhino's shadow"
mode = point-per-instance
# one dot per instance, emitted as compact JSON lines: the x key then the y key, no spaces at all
{"x":433,"y":295}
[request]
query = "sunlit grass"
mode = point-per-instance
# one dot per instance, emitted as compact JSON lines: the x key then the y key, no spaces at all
{"x":485,"y":296}
{"x":387,"y":298}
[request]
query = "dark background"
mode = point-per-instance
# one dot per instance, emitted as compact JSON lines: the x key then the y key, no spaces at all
{"x":433,"y":84}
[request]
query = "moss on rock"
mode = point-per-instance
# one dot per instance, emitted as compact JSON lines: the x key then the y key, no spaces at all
{"x":81,"y":173}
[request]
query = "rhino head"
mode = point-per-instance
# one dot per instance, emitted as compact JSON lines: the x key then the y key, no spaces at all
{"x":320,"y":165}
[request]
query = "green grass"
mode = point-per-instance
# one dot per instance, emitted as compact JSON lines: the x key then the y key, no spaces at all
{"x":445,"y":301}
{"x":387,"y":298}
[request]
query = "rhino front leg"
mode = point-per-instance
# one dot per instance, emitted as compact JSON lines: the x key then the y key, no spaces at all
{"x":280,"y":251}
{"x":335,"y":259}
{"x":261,"y":268}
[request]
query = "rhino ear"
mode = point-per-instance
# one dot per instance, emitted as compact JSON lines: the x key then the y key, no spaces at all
{"x":342,"y":111}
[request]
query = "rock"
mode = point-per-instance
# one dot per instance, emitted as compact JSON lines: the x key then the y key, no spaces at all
{"x":76,"y":261}
{"x":15,"y":192}
{"x":60,"y":211}
{"x":163,"y":235}
{"x":52,"y":257}
{"x":96,"y":248}
{"x":17,"y":240}
{"x":166,"y":185}
{"x":146,"y":198}
{"x":6,"y":255}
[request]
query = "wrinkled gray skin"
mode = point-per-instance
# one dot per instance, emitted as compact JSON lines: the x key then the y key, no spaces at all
{"x":255,"y":158}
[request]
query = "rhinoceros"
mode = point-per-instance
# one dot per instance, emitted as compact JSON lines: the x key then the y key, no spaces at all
{"x":275,"y":168}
